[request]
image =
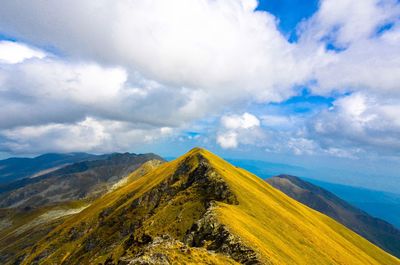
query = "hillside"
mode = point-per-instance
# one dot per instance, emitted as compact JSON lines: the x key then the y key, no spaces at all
{"x":375,"y":230}
{"x":76,"y":181}
{"x":21,"y":228}
{"x":202,"y":210}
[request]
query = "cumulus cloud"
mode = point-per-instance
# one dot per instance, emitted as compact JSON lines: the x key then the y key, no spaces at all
{"x":235,"y":122}
{"x":152,"y":64}
{"x":13,"y":52}
{"x":90,"y":135}
{"x":345,"y":22}
{"x":44,"y":91}
{"x":52,"y":91}
{"x":364,"y":54}
{"x":212,"y":45}
{"x":360,"y":122}
{"x":239,"y":129}
{"x":228,"y":140}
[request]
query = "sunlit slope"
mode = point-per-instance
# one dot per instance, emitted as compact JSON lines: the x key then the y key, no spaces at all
{"x":375,"y":230}
{"x":206,"y":211}
{"x":285,"y":231}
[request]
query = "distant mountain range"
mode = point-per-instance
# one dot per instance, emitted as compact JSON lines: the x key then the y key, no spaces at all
{"x":197,"y":209}
{"x":382,"y":204}
{"x":375,"y":230}
{"x":15,"y":168}
{"x":75,"y":181}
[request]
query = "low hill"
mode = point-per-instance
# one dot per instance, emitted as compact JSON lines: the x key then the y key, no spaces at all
{"x":199,"y":209}
{"x":379,"y":232}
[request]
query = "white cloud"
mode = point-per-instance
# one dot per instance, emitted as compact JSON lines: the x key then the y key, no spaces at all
{"x":38,"y":92}
{"x":51,"y":91}
{"x":360,"y":122}
{"x":370,"y":65}
{"x":153,"y":64}
{"x":216,"y":46}
{"x":13,"y":52}
{"x":89,"y":135}
{"x":369,"y":59}
{"x":345,"y":22}
{"x":245,"y":121}
{"x":228,"y":140}
{"x":239,"y":129}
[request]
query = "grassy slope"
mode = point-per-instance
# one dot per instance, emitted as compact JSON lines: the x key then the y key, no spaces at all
{"x":286,"y":231}
{"x":26,"y":228}
{"x":282,"y":230}
{"x":375,"y":230}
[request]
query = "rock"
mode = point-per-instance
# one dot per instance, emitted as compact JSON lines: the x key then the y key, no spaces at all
{"x":219,"y":239}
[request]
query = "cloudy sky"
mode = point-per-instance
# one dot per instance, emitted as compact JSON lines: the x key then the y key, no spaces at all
{"x":290,"y":80}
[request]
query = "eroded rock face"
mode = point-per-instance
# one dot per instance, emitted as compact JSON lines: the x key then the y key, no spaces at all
{"x":213,"y":187}
{"x":153,"y":252}
{"x":208,"y":232}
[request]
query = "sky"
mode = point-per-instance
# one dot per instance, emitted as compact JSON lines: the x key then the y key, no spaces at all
{"x":312,"y":83}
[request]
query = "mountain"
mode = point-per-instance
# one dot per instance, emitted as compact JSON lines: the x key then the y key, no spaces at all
{"x":12,"y":169}
{"x":87,"y":179}
{"x":375,"y":230}
{"x":199,"y":209}
{"x":382,"y":204}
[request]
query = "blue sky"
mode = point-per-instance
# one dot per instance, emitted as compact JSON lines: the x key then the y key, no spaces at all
{"x":308,"y":83}
{"x":289,"y":13}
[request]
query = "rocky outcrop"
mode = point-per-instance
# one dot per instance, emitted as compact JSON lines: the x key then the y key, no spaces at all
{"x":208,"y":232}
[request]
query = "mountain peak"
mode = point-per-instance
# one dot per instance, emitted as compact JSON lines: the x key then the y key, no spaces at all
{"x":197,"y":149}
{"x":197,"y":152}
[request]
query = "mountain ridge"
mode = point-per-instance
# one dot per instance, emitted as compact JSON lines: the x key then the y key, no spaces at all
{"x":201,"y":201}
{"x":14,"y":168}
{"x":75,"y":181}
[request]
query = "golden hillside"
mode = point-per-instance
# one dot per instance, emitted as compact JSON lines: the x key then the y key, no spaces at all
{"x":199,"y":209}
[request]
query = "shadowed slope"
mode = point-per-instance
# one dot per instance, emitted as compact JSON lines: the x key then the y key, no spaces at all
{"x":201,"y":208}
